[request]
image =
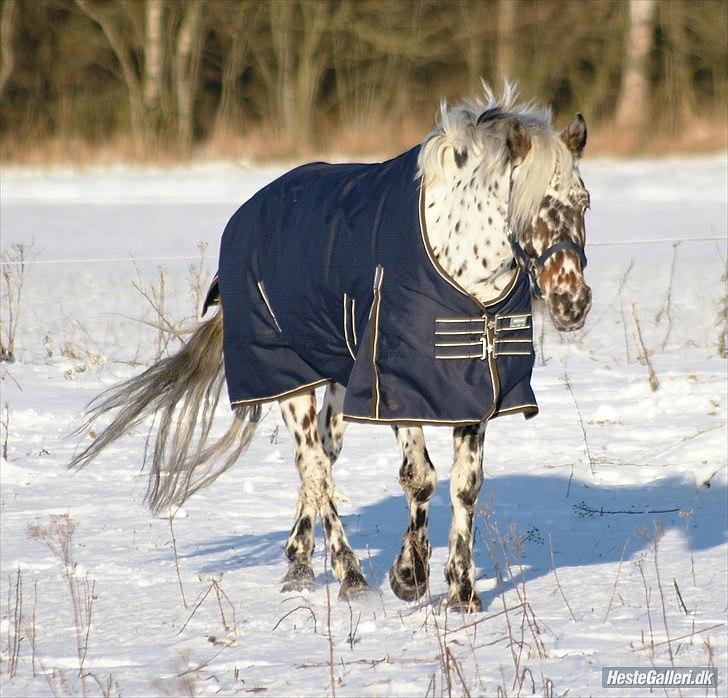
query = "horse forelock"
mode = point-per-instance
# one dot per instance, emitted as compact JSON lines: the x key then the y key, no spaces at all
{"x":458,"y":130}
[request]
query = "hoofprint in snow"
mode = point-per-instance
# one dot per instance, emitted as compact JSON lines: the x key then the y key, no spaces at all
{"x":601,"y":528}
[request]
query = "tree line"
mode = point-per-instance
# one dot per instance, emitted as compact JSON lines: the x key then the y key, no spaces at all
{"x":172,"y":76}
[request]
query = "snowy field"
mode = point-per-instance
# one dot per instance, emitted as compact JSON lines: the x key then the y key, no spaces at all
{"x":601,"y":527}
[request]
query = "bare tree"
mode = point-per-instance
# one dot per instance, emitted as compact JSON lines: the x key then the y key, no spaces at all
{"x":468,"y":31}
{"x":122,"y":51}
{"x":295,"y":66}
{"x":506,"y":21}
{"x":242,"y":30}
{"x":153,"y":60}
{"x":7,"y":50}
{"x":635,"y":85}
{"x":186,"y":68}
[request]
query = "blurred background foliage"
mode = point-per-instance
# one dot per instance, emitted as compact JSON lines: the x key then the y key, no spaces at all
{"x":166,"y":79}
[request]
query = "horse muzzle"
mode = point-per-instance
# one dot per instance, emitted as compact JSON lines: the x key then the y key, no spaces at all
{"x":568,"y":311}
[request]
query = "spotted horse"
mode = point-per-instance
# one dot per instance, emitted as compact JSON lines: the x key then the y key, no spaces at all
{"x":403,"y":287}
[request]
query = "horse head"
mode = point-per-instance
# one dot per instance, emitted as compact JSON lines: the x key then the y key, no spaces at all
{"x":550,"y":246}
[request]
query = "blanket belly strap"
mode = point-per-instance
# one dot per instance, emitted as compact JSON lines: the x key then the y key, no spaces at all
{"x":506,"y":334}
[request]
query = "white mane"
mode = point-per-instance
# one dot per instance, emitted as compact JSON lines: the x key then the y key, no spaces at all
{"x":457,"y":131}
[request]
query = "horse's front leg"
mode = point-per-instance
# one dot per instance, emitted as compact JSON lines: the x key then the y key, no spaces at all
{"x":410,"y":572}
{"x":465,"y":481}
{"x":316,"y":495}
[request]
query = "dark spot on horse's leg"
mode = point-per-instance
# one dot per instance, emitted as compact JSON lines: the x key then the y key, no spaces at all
{"x":424,"y":493}
{"x":298,"y":551}
{"x":304,"y":526}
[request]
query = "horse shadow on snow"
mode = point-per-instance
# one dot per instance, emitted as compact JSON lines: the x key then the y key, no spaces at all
{"x":590,"y":526}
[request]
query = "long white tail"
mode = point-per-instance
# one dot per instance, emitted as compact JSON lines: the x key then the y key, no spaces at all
{"x":182,"y":391}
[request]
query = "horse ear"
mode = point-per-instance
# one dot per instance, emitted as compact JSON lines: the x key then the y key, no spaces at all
{"x":518,"y":141}
{"x":574,"y":135}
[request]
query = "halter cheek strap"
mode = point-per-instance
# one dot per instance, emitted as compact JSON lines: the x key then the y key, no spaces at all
{"x":533,"y":266}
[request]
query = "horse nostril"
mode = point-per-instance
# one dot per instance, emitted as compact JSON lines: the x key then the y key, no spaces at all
{"x":564,"y":300}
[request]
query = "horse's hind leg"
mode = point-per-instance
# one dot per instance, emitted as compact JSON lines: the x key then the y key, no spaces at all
{"x":316,"y":495}
{"x":410,"y":572}
{"x":331,"y":422}
{"x":465,"y":481}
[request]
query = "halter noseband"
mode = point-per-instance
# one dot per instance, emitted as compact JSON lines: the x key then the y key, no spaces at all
{"x":533,"y":266}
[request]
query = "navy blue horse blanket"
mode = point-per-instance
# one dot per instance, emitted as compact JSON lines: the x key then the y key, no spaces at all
{"x":326,"y":274}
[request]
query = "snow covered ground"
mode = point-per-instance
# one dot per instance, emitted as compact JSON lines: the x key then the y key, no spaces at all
{"x":605,"y":517}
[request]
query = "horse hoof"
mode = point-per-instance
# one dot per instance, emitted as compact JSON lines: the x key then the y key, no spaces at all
{"x":465,"y":604}
{"x":354,"y":586}
{"x":299,"y":577}
{"x":405,"y":584}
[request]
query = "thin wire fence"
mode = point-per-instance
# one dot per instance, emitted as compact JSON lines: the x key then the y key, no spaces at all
{"x":191,"y":258}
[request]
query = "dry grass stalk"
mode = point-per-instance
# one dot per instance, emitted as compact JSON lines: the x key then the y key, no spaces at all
{"x":722,"y":322}
{"x":452,"y":661}
{"x":494,"y":557}
{"x":197,"y":280}
{"x":50,"y":676}
{"x":500,"y":548}
{"x":5,"y":424}
{"x":294,"y":610}
{"x":654,"y":382}
{"x":656,"y":537}
{"x":666,"y":308}
{"x":648,"y":594}
{"x":176,"y":560}
{"x":616,"y":580}
{"x":622,"y":284}
{"x":14,"y":260}
{"x":156,"y":298}
{"x":31,"y":629}
{"x":687,"y":516}
{"x":711,"y":659}
{"x":58,"y":536}
{"x":220,"y":593}
{"x":72,"y":349}
{"x":589,"y":456}
{"x":430,"y":685}
{"x":680,"y":600}
{"x":446,"y":667}
{"x":353,"y":627}
{"x":195,"y":609}
{"x":689,"y":635}
{"x":558,"y":583}
{"x":15,"y":622}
